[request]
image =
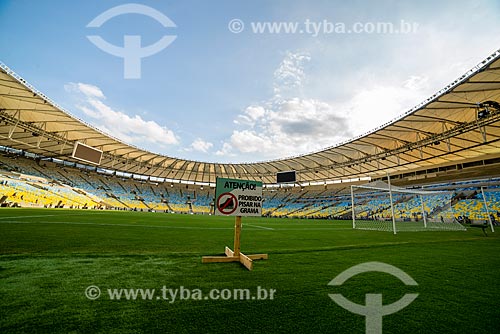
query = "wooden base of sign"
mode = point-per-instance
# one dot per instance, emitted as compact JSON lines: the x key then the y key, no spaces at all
{"x":236,"y":255}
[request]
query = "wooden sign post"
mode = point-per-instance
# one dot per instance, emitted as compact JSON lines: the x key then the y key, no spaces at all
{"x":237,"y":198}
{"x":236,"y":255}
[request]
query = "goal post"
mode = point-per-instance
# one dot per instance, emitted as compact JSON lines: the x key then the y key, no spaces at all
{"x":392,"y":205}
{"x":381,"y":207}
{"x":487,"y":210}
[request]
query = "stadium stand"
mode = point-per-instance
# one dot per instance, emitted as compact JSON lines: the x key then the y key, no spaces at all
{"x":29,"y":182}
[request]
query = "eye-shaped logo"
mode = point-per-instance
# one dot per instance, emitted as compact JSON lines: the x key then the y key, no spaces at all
{"x":373,"y":309}
{"x":131,"y":52}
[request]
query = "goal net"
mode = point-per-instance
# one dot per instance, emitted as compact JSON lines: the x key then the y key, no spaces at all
{"x":381,"y":207}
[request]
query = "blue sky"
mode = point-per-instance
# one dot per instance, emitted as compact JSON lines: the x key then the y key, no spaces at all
{"x":215,"y":95}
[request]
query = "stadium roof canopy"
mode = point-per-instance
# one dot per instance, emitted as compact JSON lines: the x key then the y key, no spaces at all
{"x":459,"y":123}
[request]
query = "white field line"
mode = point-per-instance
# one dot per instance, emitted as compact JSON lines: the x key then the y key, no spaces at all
{"x":262,"y":227}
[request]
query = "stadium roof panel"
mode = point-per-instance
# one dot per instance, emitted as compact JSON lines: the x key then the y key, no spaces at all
{"x":444,"y":129}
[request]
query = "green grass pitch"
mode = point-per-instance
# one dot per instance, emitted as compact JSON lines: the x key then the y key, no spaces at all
{"x":49,"y":257}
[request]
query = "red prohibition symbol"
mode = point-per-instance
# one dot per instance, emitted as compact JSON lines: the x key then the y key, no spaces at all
{"x":227,"y":203}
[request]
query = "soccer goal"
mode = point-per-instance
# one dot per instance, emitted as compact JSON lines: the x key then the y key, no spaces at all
{"x":380,"y":207}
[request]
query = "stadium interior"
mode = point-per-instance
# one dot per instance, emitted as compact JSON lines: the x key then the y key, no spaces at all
{"x":252,"y":167}
{"x":449,"y":142}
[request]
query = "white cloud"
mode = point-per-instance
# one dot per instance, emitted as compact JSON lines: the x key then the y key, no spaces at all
{"x":290,"y":73}
{"x":86,"y":89}
{"x":286,"y":125}
{"x":226,"y":150}
{"x":379,"y":104}
{"x":201,"y":146}
{"x":250,"y":115}
{"x":416,"y":82}
{"x":131,"y":129}
{"x":290,"y":127}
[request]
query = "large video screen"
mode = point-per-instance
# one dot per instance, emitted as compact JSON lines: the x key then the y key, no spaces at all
{"x":87,"y":153}
{"x":285,"y":177}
